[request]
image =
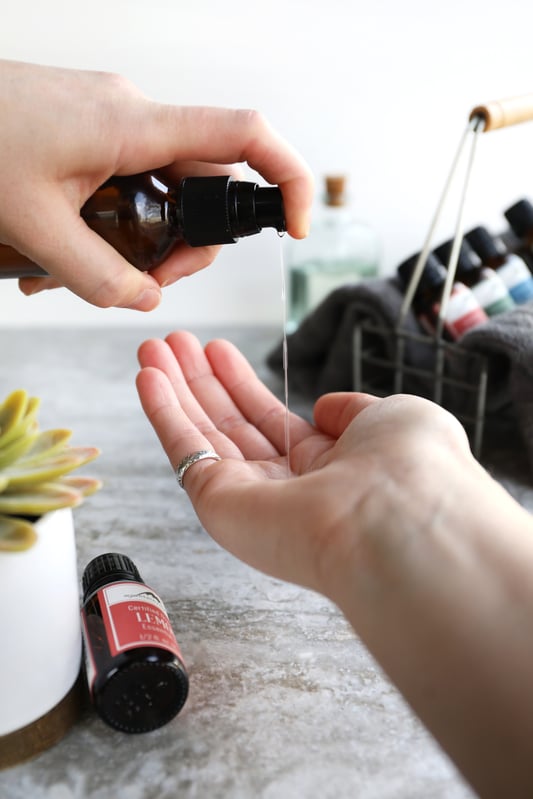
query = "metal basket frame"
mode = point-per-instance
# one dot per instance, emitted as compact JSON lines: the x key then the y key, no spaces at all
{"x":390,"y":371}
{"x":387,"y":375}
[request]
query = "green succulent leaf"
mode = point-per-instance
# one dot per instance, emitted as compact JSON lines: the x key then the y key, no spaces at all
{"x":85,"y":485}
{"x":47,"y":497}
{"x":12,"y":410}
{"x":16,"y":535}
{"x":17,"y":414}
{"x":34,"y":471}
{"x":16,"y":448}
{"x":45,"y":444}
{"x":21,"y":474}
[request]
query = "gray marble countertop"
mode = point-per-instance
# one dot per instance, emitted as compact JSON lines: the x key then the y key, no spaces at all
{"x":284,"y":699}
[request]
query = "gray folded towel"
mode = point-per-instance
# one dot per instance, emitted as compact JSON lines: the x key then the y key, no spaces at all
{"x":321,"y":349}
{"x":507,"y":342}
{"x":320,"y":352}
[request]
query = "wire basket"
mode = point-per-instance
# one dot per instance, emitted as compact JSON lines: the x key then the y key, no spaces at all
{"x":380,"y":368}
{"x":451,"y":376}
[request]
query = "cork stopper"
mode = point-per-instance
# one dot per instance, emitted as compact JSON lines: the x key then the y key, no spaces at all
{"x":335,"y":188}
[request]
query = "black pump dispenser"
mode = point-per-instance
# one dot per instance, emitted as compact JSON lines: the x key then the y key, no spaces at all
{"x":220,"y":210}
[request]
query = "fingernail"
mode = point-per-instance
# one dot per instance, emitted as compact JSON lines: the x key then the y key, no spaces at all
{"x":147,"y":300}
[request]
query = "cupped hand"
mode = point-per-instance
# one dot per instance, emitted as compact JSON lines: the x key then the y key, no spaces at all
{"x":300,"y":524}
{"x":65,"y":132}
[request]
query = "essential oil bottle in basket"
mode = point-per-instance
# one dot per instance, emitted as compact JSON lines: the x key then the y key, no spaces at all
{"x":463,"y":310}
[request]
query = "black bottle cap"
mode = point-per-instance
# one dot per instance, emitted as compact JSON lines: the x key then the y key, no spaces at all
{"x":467,"y":259}
{"x":107,"y":568}
{"x":520,"y":217}
{"x":483,"y":243}
{"x":204,"y":211}
{"x":219,"y":210}
{"x":433,"y":274}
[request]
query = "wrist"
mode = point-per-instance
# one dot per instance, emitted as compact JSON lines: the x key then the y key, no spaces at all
{"x":438,"y":587}
{"x":394,"y":519}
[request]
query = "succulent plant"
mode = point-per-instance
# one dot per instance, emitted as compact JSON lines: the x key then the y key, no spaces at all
{"x":34,"y":471}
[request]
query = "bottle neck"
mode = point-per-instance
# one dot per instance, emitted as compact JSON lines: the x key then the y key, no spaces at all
{"x":108,"y":568}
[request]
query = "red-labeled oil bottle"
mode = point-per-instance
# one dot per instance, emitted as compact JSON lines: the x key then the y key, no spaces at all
{"x":144,"y":217}
{"x":463,"y":310}
{"x":135,"y":672}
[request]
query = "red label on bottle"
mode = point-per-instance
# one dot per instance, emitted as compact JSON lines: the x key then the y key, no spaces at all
{"x":134,"y":616}
{"x":463,"y":312}
{"x":466,"y":322}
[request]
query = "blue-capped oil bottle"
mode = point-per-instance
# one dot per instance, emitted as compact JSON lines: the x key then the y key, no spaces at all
{"x":511,"y":267}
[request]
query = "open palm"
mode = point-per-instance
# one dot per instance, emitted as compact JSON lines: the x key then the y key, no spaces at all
{"x":285,"y":522}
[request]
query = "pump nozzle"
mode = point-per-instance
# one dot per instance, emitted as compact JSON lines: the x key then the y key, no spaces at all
{"x":220,"y":210}
{"x":269,"y":208}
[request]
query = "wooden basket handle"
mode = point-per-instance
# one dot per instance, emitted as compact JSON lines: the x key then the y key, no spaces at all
{"x":502,"y":113}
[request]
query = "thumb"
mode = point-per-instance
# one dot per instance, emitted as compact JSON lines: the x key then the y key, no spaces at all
{"x":334,"y":412}
{"x":82,"y":261}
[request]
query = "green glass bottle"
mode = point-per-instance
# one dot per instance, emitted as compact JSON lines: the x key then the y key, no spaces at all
{"x":340,"y":249}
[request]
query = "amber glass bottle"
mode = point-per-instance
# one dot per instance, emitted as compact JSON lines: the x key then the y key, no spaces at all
{"x":135,"y":673}
{"x":143,"y":217}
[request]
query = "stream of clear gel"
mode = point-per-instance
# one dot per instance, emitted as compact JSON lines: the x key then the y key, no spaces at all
{"x":285,"y":353}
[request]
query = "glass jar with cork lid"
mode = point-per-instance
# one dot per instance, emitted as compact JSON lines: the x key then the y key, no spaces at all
{"x":340,"y":249}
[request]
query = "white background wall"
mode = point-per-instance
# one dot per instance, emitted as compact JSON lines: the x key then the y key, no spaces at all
{"x":380,"y":89}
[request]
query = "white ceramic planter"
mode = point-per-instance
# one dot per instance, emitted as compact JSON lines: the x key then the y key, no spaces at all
{"x":39,"y":623}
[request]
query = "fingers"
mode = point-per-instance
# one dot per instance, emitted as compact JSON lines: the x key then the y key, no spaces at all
{"x":203,"y":397}
{"x":157,"y":354}
{"x":235,"y":503}
{"x":179,"y":436}
{"x":182,"y":169}
{"x":167,"y":134}
{"x":256,"y":403}
{"x":182,"y":262}
{"x":235,"y":399}
{"x":81,"y":260}
{"x":33,"y":285}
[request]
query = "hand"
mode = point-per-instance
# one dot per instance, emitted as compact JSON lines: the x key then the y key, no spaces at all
{"x":360,"y":451}
{"x":65,"y":132}
{"x":388,"y":514}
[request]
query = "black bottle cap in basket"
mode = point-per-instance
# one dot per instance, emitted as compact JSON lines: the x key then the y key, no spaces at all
{"x":108,"y":568}
{"x":520,"y":217}
{"x":483,"y":243}
{"x":467,"y":259}
{"x":433,"y":274}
